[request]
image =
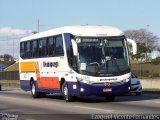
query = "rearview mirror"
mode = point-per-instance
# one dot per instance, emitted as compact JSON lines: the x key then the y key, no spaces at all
{"x":75,"y":47}
{"x":134,"y":46}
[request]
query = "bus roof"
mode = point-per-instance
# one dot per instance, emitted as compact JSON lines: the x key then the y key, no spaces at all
{"x":81,"y":30}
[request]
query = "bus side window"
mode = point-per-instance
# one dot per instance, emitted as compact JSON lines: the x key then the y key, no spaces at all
{"x":51,"y":46}
{"x":28,"y":49}
{"x":22,"y":50}
{"x":71,"y":58}
{"x":31,"y":47}
{"x":42,"y":47}
{"x":59,"y":46}
{"x":34,"y":50}
{"x":39,"y":48}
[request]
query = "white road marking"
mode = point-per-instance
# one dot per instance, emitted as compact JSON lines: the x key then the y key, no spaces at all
{"x":98,"y":109}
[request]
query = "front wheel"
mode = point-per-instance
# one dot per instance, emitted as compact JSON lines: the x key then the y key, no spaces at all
{"x":34,"y":92}
{"x":65,"y":92}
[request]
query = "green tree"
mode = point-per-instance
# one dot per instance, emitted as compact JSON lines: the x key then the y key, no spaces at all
{"x":156,"y":61}
{"x":8,"y":57}
{"x":142,"y":49}
{"x":146,"y":41}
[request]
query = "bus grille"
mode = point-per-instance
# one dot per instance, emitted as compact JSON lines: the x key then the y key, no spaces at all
{"x":109,"y":83}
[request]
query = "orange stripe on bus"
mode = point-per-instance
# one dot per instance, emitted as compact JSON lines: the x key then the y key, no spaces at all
{"x":38,"y":74}
{"x":50,"y":82}
{"x":27,"y":66}
{"x":43,"y":82}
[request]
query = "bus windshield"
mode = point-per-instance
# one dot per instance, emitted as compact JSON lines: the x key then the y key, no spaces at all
{"x":103,"y":56}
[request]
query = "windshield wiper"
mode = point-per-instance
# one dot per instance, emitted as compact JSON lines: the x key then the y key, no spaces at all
{"x":99,"y":68}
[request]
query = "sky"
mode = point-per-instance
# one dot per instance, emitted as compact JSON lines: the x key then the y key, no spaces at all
{"x":21,"y":16}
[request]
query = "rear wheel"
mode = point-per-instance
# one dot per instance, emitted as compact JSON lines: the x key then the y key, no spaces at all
{"x":110,"y":98}
{"x":34,"y":92}
{"x":65,"y":92}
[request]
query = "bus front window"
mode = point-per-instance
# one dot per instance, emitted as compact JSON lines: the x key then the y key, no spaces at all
{"x":103,"y":56}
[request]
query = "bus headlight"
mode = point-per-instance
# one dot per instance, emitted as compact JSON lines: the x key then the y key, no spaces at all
{"x":85,"y":80}
{"x":129,"y":88}
{"x":127,"y":79}
{"x":82,"y":89}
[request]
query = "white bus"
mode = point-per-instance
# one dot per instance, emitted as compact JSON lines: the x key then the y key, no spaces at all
{"x":76,"y":61}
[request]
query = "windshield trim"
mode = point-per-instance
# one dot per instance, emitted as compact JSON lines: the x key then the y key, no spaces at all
{"x":118,"y":69}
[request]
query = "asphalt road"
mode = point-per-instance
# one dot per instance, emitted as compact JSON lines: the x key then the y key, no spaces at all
{"x":18,"y":104}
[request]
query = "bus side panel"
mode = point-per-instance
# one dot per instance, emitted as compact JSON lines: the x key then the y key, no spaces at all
{"x":25,"y":85}
{"x":50,"y":82}
{"x":47,"y":90}
{"x":27,"y":66}
{"x":27,"y":71}
{"x":25,"y":79}
{"x":71,"y":90}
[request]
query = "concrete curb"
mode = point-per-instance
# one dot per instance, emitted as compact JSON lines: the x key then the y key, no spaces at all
{"x":151,"y":84}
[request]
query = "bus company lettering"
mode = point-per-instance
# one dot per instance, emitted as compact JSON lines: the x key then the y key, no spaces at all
{"x":50,"y":64}
{"x":108,"y":79}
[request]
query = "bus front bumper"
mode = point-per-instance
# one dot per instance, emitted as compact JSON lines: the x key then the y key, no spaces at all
{"x":100,"y":90}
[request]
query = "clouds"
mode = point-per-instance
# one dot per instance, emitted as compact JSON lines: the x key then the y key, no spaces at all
{"x":9,"y":31}
{"x":9,"y":40}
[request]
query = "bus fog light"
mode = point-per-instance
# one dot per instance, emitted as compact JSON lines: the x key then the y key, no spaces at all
{"x":82,"y":89}
{"x":129,"y":88}
{"x":74,"y":87}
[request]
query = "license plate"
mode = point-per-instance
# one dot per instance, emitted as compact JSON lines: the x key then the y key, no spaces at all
{"x":107,"y":90}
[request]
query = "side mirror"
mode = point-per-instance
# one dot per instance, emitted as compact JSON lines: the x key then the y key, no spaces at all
{"x":134,"y":45}
{"x":75,"y":47}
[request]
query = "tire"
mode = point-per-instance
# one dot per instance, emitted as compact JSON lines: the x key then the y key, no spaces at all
{"x":67,"y":97}
{"x":110,"y":98}
{"x":34,"y":92}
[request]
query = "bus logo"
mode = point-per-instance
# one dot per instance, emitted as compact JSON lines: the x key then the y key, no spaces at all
{"x":107,"y":84}
{"x":50,"y":64}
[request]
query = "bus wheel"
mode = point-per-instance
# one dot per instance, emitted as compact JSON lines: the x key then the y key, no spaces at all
{"x":34,"y":92}
{"x":110,"y":98}
{"x":66,"y":95}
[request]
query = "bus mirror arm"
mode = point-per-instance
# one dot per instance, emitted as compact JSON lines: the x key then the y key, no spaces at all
{"x":75,"y":47}
{"x":134,"y":46}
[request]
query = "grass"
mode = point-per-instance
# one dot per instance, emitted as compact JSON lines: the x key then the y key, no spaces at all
{"x":10,"y":83}
{"x":133,"y":62}
{"x":151,"y":90}
{"x":146,"y":70}
{"x":14,"y":67}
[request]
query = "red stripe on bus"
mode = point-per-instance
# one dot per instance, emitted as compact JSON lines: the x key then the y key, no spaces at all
{"x":49,"y":82}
